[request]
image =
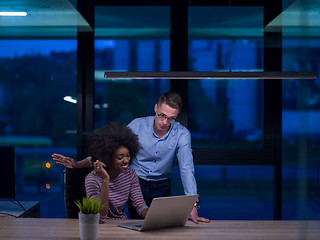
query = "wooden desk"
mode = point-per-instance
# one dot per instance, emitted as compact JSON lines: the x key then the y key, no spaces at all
{"x":52,"y":228}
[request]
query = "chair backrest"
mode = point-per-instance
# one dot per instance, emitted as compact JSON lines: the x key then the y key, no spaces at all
{"x":74,"y":189}
{"x":7,"y":176}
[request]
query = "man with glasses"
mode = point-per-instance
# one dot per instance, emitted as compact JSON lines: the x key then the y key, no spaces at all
{"x":163,"y":141}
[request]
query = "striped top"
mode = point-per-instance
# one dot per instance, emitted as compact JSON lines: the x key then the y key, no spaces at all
{"x":124,"y":186}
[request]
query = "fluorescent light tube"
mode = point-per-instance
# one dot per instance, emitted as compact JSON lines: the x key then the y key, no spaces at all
{"x":70,"y":99}
{"x":13,"y":14}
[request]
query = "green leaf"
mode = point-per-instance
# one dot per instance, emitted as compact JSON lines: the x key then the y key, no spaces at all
{"x":89,"y":206}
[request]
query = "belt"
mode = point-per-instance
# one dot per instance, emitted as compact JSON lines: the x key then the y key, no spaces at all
{"x":151,"y":182}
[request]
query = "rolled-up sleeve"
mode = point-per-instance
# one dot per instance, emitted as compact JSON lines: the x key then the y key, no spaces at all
{"x":186,"y":165}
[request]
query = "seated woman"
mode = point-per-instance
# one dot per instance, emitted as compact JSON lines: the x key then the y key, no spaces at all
{"x":112,"y":180}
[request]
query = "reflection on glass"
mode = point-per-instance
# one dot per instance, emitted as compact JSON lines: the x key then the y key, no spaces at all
{"x":36,"y":75}
{"x":232,"y":192}
{"x":301,"y":131}
{"x":122,"y":101}
{"x":130,"y":39}
{"x":225,"y":22}
{"x":226,"y":114}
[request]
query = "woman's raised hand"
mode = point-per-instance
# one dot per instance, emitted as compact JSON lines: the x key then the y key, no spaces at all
{"x":63,"y":160}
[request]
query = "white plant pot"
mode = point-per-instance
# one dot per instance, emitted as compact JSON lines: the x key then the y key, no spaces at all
{"x":88,"y":224}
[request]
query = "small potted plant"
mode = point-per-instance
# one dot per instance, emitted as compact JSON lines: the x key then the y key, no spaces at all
{"x":89,"y":218}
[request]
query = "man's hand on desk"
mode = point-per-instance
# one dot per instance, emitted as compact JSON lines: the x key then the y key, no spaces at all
{"x":195,"y":218}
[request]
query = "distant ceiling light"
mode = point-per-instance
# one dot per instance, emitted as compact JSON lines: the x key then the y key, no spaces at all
{"x":70,"y":99}
{"x":105,"y":105}
{"x":13,"y":14}
{"x":210,"y":75}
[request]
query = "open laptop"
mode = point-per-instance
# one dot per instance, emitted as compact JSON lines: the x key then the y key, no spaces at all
{"x":165,"y":212}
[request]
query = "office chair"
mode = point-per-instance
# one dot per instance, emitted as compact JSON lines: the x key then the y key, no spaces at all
{"x":74,"y":189}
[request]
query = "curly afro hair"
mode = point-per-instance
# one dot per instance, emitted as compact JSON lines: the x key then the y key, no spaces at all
{"x":105,"y":141}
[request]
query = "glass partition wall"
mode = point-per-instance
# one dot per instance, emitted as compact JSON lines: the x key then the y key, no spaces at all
{"x":38,"y":89}
{"x":38,"y":83}
{"x":300,"y":113}
{"x":214,"y":107}
{"x":226,"y":117}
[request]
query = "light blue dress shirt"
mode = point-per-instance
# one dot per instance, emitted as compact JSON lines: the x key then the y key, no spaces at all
{"x":156,"y":159}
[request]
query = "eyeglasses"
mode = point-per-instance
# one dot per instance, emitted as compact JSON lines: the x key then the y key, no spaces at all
{"x":162,"y":116}
{"x":121,"y":156}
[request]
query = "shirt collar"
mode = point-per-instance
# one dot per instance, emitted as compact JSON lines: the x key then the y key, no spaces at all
{"x":167,"y":134}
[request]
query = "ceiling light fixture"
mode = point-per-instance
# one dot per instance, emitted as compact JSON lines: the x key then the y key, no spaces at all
{"x":210,"y":75}
{"x":13,"y":14}
{"x":70,"y":99}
